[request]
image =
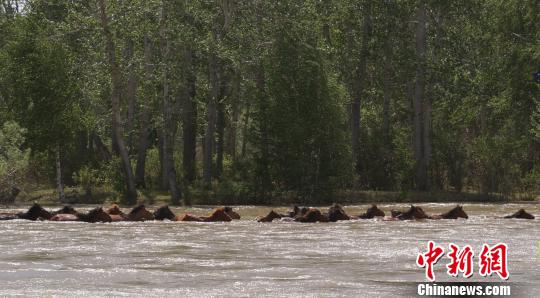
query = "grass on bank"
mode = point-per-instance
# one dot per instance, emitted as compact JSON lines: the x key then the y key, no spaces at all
{"x":75,"y":195}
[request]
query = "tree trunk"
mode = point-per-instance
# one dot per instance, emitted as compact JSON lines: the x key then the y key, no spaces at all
{"x":131,"y":89}
{"x":220,"y":123}
{"x":59,"y":180}
{"x":131,"y":192}
{"x":359,"y":85}
{"x":169,"y":125}
{"x":209,"y":137}
{"x":233,"y":123}
{"x":144,"y":133}
{"x":189,"y":120}
{"x":387,"y":92}
{"x":420,"y":134}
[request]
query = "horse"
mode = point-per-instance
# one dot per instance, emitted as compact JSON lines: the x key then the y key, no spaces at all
{"x":164,"y":212}
{"x":116,"y":214}
{"x":65,"y":217}
{"x":521,"y":214}
{"x":231,"y":213}
{"x":66,"y":210}
{"x":312,"y":215}
{"x":96,"y":215}
{"x":372,"y":212}
{"x":8,"y":216}
{"x":34,"y":213}
{"x":336,"y":212}
{"x":270,"y":217}
{"x":413,"y":213}
{"x":140,"y":213}
{"x":455,"y":213}
{"x":220,"y":214}
{"x":297,"y":211}
{"x":189,"y":217}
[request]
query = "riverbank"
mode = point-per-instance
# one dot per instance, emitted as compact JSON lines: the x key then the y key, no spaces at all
{"x":100,"y":196}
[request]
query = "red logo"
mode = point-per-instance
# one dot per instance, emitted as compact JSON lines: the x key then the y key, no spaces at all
{"x":460,"y":261}
{"x":430,"y":258}
{"x":492,"y":260}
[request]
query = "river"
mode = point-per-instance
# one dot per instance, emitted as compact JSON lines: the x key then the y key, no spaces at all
{"x":363,"y":258}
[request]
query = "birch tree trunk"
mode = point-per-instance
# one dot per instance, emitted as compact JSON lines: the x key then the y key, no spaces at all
{"x":131,"y":192}
{"x":144,"y":132}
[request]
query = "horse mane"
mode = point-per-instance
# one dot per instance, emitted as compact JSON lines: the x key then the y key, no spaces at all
{"x":137,"y":209}
{"x":164,"y":212}
{"x":34,"y":211}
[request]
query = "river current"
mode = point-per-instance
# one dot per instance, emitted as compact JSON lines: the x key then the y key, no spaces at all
{"x":361,"y":258}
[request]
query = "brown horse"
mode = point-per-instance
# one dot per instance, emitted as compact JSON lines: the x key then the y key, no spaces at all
{"x":189,"y":217}
{"x":312,"y":215}
{"x":164,"y":212}
{"x":270,"y":217}
{"x":231,"y":213}
{"x":455,"y":213}
{"x":220,"y":214}
{"x":336,"y":212}
{"x":35,"y":212}
{"x":521,"y":214}
{"x":67,"y":213}
{"x":116,"y":214}
{"x":140,"y":213}
{"x":413,"y":213}
{"x":96,"y":215}
{"x":65,"y":217}
{"x":372,"y":212}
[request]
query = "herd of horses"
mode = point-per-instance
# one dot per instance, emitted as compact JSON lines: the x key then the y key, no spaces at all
{"x":225,"y":214}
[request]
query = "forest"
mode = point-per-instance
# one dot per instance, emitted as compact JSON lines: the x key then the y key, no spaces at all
{"x":260,"y":102}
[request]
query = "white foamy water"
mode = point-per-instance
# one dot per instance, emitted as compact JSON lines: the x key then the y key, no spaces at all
{"x":249,"y":259}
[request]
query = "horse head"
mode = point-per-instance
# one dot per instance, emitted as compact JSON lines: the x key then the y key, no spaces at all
{"x":521,"y":214}
{"x":231,"y":213}
{"x":35,"y":212}
{"x":218,"y":215}
{"x":140,"y":213}
{"x":96,"y":215}
{"x":67,"y":210}
{"x":336,"y":212}
{"x":413,"y":213}
{"x":312,"y":215}
{"x":455,"y":213}
{"x":114,"y":210}
{"x":372,"y":212}
{"x":164,"y":212}
{"x":270,"y":217}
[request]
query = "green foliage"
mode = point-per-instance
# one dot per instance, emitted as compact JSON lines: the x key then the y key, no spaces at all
{"x":13,"y":157}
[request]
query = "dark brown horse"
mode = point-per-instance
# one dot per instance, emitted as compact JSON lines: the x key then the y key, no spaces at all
{"x":66,"y":210}
{"x":8,"y":216}
{"x":164,"y":212}
{"x":336,"y":212}
{"x":372,"y":212}
{"x":521,"y":214}
{"x":413,"y":213}
{"x":96,"y":215}
{"x":140,"y":213}
{"x":312,"y":215}
{"x":35,"y":212}
{"x":270,"y":217}
{"x":455,"y":213}
{"x":232,"y":214}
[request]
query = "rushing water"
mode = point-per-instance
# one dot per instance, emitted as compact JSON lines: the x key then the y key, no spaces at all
{"x":246,"y":258}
